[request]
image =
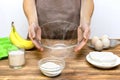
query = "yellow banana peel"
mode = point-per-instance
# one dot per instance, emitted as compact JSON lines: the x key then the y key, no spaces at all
{"x":19,"y":41}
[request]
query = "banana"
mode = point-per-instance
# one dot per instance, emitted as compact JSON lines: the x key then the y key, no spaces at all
{"x":14,"y":40}
{"x":19,"y":41}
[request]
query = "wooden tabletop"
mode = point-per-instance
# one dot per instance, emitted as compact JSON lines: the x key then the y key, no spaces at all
{"x":77,"y":68}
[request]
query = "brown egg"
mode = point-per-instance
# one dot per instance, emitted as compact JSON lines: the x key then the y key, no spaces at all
{"x":106,"y":42}
{"x":94,"y":39}
{"x":98,"y":45}
{"x":104,"y":36}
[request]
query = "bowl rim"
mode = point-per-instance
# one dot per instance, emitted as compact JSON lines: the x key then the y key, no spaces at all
{"x":55,"y":48}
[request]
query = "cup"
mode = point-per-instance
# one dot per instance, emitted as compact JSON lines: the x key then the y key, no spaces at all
{"x":16,"y":58}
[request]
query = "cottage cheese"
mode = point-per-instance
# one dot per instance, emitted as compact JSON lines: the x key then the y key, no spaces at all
{"x":104,"y":58}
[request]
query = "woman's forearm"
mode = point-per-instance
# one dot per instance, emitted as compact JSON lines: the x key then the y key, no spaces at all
{"x":30,"y":11}
{"x":87,"y":7}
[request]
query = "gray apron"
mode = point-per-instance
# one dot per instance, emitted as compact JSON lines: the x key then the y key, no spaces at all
{"x":58,"y":19}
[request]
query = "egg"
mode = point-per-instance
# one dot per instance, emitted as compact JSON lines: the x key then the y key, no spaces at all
{"x":106,"y":42}
{"x":98,"y":45}
{"x":94,"y":39}
{"x":104,"y":36}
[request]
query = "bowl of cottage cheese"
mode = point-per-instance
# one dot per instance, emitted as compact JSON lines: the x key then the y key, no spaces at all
{"x":103,"y":60}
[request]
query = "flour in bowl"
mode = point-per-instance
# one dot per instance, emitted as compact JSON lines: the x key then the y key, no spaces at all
{"x":49,"y":65}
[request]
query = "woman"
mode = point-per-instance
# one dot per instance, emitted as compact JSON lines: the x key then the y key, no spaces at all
{"x":39,"y":12}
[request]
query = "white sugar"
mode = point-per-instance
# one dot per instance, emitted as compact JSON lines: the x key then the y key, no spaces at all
{"x":50,"y":65}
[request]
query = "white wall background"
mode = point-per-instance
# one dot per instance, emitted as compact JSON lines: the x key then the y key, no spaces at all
{"x":105,"y":20}
{"x":12,"y":10}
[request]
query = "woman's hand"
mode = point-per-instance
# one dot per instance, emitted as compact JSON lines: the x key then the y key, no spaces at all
{"x":86,"y":33}
{"x":35,"y":35}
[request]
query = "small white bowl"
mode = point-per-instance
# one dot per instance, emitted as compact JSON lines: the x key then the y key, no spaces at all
{"x":51,"y":66}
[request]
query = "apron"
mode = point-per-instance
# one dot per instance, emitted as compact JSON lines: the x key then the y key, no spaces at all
{"x":58,"y":19}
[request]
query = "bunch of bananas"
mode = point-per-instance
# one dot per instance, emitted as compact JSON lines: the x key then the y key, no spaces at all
{"x":19,"y":41}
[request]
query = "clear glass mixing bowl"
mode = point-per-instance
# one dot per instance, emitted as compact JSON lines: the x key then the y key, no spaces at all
{"x":59,"y":37}
{"x":51,"y":66}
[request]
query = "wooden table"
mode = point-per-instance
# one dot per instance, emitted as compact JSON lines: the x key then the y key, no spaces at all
{"x":77,"y":68}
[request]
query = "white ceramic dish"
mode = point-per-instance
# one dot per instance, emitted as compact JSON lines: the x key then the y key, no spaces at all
{"x":99,"y":65}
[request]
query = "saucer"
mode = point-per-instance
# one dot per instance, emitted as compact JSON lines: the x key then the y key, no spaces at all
{"x":99,"y":65}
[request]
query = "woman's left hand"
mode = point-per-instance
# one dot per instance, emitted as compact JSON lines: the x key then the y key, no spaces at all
{"x":86,"y":33}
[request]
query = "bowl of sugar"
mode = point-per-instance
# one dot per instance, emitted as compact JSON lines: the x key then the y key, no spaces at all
{"x":51,"y":66}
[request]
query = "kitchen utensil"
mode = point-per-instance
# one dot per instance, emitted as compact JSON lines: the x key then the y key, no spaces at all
{"x":59,"y":37}
{"x":51,"y":66}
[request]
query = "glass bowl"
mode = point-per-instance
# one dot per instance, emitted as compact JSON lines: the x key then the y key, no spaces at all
{"x":59,"y":37}
{"x":51,"y":66}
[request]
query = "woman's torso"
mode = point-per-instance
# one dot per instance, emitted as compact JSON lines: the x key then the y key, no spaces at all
{"x":58,"y":10}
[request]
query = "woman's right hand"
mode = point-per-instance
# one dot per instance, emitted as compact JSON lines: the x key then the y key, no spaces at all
{"x":35,"y":35}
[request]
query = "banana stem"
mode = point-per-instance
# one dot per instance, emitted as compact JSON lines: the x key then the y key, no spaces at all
{"x":12,"y":24}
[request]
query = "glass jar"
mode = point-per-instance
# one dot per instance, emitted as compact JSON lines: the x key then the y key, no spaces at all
{"x":16,"y":58}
